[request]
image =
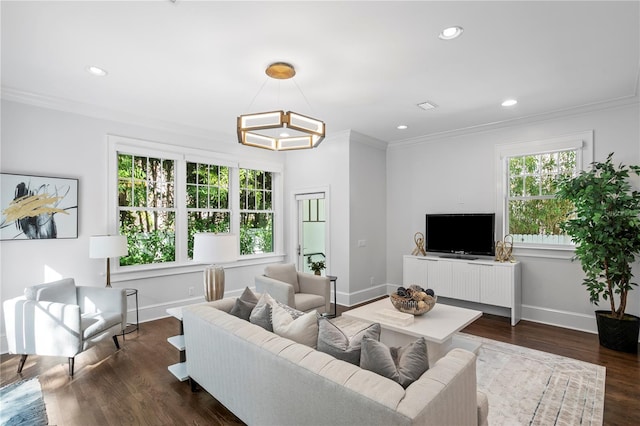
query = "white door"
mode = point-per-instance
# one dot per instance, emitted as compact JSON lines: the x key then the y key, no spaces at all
{"x":311,"y":230}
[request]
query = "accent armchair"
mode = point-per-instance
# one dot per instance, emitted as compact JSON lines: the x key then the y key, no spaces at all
{"x":62,"y":319}
{"x":299,"y":290}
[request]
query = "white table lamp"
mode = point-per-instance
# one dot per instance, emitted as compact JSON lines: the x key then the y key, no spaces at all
{"x":214,"y":249}
{"x":108,"y":246}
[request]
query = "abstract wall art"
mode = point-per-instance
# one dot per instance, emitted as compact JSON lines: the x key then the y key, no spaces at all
{"x":38,"y":207}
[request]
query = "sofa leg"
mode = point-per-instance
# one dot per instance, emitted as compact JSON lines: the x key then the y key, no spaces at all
{"x":23,"y":359}
{"x":115,"y":340}
{"x":71,"y":365}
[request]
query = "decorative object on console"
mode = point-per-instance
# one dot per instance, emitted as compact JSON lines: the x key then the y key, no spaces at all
{"x":504,"y":250}
{"x":413,"y":300}
{"x":418,"y":238}
{"x":214,"y":249}
{"x":108,"y":246}
{"x":38,"y":207}
{"x":279,"y":130}
{"x":606,"y":232}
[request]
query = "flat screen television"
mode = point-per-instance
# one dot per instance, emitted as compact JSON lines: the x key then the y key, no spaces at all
{"x":461,"y":235}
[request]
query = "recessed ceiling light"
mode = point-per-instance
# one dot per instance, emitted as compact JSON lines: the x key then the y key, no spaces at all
{"x":96,"y":71}
{"x":427,"y":105}
{"x":450,"y":33}
{"x":402,"y":127}
{"x":509,"y":102}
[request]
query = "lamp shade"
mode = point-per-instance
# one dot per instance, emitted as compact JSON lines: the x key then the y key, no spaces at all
{"x":106,"y":246}
{"x":209,"y":247}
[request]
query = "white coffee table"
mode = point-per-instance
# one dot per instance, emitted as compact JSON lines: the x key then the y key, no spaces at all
{"x":438,"y":326}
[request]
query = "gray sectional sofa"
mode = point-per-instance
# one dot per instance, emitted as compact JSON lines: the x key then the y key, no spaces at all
{"x":265,"y":379}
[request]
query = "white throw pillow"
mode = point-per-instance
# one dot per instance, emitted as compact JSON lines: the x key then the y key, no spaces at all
{"x":303,"y":329}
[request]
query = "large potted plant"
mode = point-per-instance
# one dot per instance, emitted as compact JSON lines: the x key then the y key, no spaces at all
{"x":606,"y":230}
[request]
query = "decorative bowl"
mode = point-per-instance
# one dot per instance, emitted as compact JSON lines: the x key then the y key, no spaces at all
{"x":413,"y":305}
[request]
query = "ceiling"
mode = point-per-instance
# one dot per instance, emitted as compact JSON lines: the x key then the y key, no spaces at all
{"x":361,"y":65}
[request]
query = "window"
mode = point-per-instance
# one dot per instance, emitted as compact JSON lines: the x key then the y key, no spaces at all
{"x":527,"y":183}
{"x":163,"y":196}
{"x":256,"y":212}
{"x":146,"y":210}
{"x":534,"y":214}
{"x":208,"y":206}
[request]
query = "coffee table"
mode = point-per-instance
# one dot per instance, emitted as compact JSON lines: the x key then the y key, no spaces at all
{"x":438,"y":326}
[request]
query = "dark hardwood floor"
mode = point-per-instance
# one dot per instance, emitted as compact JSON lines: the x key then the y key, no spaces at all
{"x":132,"y":386}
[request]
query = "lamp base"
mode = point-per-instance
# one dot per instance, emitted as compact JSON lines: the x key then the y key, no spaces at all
{"x":213,"y":283}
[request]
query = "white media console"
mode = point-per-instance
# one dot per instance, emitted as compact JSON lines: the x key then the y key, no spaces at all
{"x":479,"y":280}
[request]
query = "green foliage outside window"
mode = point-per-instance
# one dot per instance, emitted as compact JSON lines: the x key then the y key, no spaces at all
{"x":146,"y":208}
{"x":256,"y":211}
{"x":148,"y":214}
{"x":533,"y":209}
{"x":207,"y":200}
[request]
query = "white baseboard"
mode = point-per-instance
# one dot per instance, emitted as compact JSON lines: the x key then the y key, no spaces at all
{"x":361,"y":296}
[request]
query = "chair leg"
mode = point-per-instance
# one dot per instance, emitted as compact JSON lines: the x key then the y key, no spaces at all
{"x":23,"y":359}
{"x":115,"y":340}
{"x":71,"y":364}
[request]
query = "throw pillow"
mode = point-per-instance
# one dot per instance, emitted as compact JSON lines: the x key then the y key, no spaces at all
{"x":244,"y":304}
{"x":249,"y":296}
{"x":333,"y":341}
{"x":261,"y":313}
{"x":303,"y":329}
{"x":404,"y":365}
{"x":242,"y":309}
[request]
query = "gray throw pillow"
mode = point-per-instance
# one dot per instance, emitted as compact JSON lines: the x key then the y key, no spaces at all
{"x":244,"y":304}
{"x":248,"y":296}
{"x":261,"y":313}
{"x":404,"y":365}
{"x":242,"y":309}
{"x":333,"y":341}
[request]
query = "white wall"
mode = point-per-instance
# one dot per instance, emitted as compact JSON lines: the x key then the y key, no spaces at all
{"x":46,"y":142}
{"x":367,"y":213}
{"x":326,"y":166}
{"x":457,"y":174}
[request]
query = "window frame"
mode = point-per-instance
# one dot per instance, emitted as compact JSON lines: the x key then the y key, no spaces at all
{"x":582,"y":142}
{"x":182,"y":155}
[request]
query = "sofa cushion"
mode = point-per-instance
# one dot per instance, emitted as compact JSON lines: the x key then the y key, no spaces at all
{"x":95,"y":323}
{"x":403,"y":364}
{"x":303,"y":329}
{"x":335,"y":342}
{"x":62,"y":291}
{"x":286,"y":273}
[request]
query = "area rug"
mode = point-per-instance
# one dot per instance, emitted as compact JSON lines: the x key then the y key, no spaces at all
{"x":21,"y":403}
{"x":529,"y":387}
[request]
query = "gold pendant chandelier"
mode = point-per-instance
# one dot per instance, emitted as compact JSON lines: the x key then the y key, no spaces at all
{"x":261,"y":129}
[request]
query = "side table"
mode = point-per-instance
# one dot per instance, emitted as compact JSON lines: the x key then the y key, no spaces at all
{"x":333,"y":279}
{"x":131,"y":327}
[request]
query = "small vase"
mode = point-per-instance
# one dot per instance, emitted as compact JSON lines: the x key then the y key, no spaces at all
{"x":316,"y":272}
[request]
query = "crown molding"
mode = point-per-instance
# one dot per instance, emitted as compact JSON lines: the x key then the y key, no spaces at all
{"x":93,"y":111}
{"x":497,"y":125}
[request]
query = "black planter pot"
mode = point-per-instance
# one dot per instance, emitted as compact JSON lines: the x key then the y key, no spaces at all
{"x":619,"y":335}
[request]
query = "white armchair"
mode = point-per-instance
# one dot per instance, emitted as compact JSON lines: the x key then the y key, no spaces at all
{"x":299,"y":290}
{"x":62,"y":319}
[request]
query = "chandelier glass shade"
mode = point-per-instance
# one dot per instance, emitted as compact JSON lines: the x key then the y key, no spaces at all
{"x":280,"y":130}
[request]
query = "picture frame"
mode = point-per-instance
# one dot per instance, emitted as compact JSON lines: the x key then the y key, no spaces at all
{"x":38,"y":207}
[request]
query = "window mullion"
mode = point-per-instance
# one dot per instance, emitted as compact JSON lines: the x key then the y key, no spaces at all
{"x":180,"y":194}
